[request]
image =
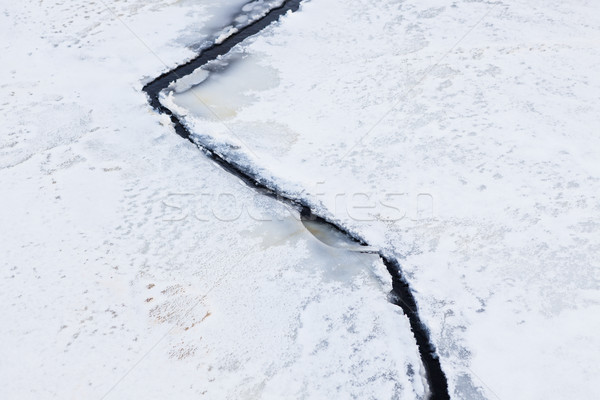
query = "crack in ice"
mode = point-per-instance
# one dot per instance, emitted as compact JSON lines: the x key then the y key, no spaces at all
{"x":401,"y":295}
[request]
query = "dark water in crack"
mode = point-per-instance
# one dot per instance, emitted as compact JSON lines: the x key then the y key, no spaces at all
{"x":324,"y":230}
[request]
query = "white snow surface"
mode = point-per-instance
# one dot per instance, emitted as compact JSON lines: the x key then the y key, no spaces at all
{"x":126,"y":269}
{"x":479,"y":122}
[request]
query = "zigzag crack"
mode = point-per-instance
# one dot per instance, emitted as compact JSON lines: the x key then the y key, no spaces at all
{"x":401,"y":294}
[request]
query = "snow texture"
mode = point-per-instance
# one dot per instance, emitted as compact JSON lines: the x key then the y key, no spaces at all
{"x":462,"y":139}
{"x":132,"y":266}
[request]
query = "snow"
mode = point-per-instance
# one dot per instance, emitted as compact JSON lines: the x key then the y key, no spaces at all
{"x":479,"y":122}
{"x":126,"y":271}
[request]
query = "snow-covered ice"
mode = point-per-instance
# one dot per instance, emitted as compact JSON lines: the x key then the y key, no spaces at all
{"x":119,"y":280}
{"x":462,"y":139}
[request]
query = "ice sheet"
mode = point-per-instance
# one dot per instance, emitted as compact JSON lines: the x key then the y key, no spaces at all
{"x":118,"y":280}
{"x":480,"y":121}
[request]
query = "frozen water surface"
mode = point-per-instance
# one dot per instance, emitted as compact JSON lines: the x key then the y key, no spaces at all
{"x":125,"y":273}
{"x":113,"y":286}
{"x":221,"y":18}
{"x":281,"y":314}
{"x":489,"y":111}
{"x":223,"y":87}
